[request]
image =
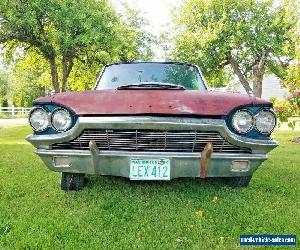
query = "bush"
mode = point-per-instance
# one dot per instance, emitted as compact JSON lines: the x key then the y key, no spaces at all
{"x":288,"y":108}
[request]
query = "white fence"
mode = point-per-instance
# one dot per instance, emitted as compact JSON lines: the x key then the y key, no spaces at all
{"x":14,"y":111}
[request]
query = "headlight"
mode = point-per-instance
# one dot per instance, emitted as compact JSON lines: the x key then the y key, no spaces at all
{"x":61,"y":120}
{"x":265,"y":121}
{"x":242,"y":121}
{"x":39,"y":119}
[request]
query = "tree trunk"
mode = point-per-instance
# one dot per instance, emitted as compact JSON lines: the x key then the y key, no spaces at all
{"x":236,"y":69}
{"x":67,"y":65}
{"x":54,"y":75}
{"x":257,"y":81}
{"x":258,"y":75}
{"x":87,"y":87}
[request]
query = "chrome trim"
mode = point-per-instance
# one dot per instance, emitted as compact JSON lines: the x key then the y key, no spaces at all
{"x":150,"y":154}
{"x":118,"y":163}
{"x":149,"y":122}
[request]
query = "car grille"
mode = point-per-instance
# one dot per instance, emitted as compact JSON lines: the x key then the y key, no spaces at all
{"x":151,"y":140}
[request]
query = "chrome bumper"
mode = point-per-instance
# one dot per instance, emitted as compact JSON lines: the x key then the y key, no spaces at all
{"x":118,"y":162}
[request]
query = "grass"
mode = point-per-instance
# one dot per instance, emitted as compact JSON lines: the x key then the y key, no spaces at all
{"x":114,"y":213}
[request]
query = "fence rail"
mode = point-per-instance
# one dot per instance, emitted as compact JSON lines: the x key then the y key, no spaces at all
{"x":14,"y":111}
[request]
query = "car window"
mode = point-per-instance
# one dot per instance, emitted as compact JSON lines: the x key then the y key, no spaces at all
{"x":117,"y":75}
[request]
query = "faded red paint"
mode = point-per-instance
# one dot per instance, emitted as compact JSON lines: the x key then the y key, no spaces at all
{"x":167,"y":102}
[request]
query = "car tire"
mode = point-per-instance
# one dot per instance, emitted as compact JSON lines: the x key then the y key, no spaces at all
{"x":240,"y":181}
{"x":71,"y":181}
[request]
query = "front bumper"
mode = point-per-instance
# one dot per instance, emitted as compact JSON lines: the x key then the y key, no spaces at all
{"x":118,"y":162}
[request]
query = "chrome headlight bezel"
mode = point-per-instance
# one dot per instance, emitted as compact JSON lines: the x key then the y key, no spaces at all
{"x":47,"y":123}
{"x":233,"y":117}
{"x":256,"y":117}
{"x":69,"y":124}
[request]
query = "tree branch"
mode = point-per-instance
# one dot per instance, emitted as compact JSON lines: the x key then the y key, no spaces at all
{"x":236,"y":69}
{"x":67,"y":65}
{"x":284,"y":64}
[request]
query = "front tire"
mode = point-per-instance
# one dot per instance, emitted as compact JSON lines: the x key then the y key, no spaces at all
{"x":71,"y":181}
{"x":240,"y":181}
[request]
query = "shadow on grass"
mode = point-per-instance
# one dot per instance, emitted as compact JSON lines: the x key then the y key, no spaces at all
{"x":174,"y":185}
{"x":112,"y":191}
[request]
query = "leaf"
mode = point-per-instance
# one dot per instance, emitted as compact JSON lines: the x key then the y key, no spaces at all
{"x":72,"y":35}
{"x":209,"y":31}
{"x":200,"y":213}
{"x":179,"y":240}
{"x":215,"y":199}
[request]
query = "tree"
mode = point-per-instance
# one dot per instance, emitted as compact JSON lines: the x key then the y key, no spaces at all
{"x":29,"y":80}
{"x":65,"y":33}
{"x":292,"y":78}
{"x":291,"y":106}
{"x":134,"y":44}
{"x":136,"y":40}
{"x":247,"y":37}
{"x":4,"y":87}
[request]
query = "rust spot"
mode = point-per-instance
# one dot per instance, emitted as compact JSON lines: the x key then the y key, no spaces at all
{"x":205,"y":157}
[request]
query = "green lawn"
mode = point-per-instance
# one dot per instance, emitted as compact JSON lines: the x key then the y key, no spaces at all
{"x":114,"y":213}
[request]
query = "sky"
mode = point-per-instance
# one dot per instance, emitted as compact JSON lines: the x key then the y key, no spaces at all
{"x":157,"y":13}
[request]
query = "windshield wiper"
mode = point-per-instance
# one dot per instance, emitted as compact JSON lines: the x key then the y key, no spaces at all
{"x":151,"y":85}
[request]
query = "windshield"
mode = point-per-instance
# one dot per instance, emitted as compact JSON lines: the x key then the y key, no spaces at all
{"x":118,"y":75}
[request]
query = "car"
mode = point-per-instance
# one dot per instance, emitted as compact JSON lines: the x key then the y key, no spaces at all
{"x":152,"y":121}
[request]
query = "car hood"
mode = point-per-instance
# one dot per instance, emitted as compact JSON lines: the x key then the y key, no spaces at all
{"x":142,"y":102}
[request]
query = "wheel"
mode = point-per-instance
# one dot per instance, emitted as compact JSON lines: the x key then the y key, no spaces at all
{"x":240,"y":181}
{"x":70,"y":181}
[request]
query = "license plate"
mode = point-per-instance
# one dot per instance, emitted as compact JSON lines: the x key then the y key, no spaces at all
{"x":150,"y":169}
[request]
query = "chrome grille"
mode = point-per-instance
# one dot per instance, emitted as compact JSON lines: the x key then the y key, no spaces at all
{"x":151,"y":140}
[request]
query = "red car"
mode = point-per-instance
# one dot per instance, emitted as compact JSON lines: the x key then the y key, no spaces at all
{"x":152,"y":121}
